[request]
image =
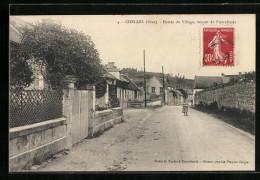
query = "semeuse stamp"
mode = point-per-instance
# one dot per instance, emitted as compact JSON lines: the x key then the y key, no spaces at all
{"x":218,"y":46}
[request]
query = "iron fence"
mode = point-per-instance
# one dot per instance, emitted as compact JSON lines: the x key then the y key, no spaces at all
{"x":33,"y":106}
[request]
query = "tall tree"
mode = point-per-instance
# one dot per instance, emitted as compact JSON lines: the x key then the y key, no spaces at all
{"x":64,"y":52}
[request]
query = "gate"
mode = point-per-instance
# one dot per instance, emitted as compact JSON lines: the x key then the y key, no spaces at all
{"x":81,"y":112}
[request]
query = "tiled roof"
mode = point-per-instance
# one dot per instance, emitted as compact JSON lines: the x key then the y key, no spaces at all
{"x":165,"y":83}
{"x":131,"y":84}
{"x":123,"y":78}
{"x":110,"y":76}
{"x":202,"y":82}
{"x":176,"y":91}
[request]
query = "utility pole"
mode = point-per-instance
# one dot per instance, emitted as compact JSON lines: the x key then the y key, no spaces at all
{"x":144,"y":83}
{"x":163,"y":87}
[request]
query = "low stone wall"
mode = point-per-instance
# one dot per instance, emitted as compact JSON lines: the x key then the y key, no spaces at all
{"x":35,"y":143}
{"x":105,"y":119}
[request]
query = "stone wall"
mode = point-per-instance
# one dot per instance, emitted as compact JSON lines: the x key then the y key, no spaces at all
{"x":105,"y":119}
{"x":35,"y":143}
{"x":240,"y":95}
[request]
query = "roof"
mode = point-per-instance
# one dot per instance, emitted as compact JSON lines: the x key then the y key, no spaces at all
{"x":123,"y":78}
{"x":188,"y":91}
{"x":165,"y":83}
{"x":14,"y":35}
{"x":176,"y":91}
{"x":131,"y":84}
{"x":203,"y":82}
{"x":161,"y":81}
{"x":110,"y":76}
{"x":18,"y":22}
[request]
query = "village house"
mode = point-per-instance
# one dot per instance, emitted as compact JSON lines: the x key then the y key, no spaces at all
{"x":189,"y":99}
{"x":120,"y":85}
{"x":15,"y":36}
{"x":154,"y":91}
{"x":204,"y":82}
{"x":38,"y":68}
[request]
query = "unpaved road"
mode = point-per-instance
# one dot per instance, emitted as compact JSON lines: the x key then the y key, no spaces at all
{"x":162,"y":139}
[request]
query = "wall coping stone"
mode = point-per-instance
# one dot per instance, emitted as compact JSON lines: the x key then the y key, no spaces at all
{"x":117,"y":108}
{"x":103,"y":113}
{"x":29,"y":129}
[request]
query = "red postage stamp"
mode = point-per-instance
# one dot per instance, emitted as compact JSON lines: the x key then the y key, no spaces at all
{"x":218,"y":46}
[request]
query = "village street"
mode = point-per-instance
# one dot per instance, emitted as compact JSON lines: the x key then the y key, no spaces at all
{"x":161,"y":139}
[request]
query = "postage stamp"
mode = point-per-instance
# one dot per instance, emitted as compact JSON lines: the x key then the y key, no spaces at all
{"x":218,"y":46}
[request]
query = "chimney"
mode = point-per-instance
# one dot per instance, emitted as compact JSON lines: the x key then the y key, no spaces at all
{"x":111,"y":64}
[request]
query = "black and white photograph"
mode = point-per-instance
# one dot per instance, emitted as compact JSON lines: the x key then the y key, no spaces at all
{"x":162,"y":92}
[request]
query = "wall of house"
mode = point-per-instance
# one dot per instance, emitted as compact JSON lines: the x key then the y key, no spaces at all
{"x":189,"y":99}
{"x":240,"y":95}
{"x":139,"y":96}
{"x":38,"y":69}
{"x":194,"y":92}
{"x":119,"y":92}
{"x":173,"y":100}
{"x":130,"y":94}
{"x":34,"y":143}
{"x":153,"y":82}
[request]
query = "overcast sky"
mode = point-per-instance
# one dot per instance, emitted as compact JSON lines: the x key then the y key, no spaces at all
{"x":175,"y":46}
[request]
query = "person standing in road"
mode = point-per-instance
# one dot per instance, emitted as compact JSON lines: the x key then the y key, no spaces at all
{"x":185,"y":109}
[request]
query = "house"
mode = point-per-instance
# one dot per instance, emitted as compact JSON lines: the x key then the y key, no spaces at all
{"x":173,"y":96}
{"x":133,"y":92}
{"x":15,"y":36}
{"x":154,"y":88}
{"x":154,"y":91}
{"x":189,"y":98}
{"x":39,"y":69}
{"x":204,"y":82}
{"x":120,"y":85}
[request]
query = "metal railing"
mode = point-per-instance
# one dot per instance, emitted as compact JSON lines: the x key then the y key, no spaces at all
{"x":34,"y":106}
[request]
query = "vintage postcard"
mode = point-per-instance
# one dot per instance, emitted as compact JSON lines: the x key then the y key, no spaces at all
{"x":132,"y":93}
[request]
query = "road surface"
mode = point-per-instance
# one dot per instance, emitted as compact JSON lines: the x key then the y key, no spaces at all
{"x":162,"y":139}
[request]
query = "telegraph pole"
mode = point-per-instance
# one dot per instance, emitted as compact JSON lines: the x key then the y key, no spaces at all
{"x":163,"y":87}
{"x":144,"y":83}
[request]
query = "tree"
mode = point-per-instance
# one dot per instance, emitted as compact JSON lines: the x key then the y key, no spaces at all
{"x":21,"y":74}
{"x":64,"y":52}
{"x":184,"y":93}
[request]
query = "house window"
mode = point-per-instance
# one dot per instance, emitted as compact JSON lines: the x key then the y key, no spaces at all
{"x":161,"y":89}
{"x":153,"y":89}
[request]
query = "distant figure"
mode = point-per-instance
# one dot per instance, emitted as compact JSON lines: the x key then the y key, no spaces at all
{"x":185,"y":109}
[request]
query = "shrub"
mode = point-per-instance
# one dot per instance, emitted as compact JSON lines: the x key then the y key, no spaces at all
{"x":213,"y":107}
{"x":101,"y":108}
{"x":114,"y":101}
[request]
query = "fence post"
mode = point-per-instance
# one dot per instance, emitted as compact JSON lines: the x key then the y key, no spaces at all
{"x":68,"y":96}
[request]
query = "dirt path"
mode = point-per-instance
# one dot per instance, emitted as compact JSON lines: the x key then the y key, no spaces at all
{"x":162,"y":139}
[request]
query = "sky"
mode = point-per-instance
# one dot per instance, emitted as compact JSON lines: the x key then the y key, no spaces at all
{"x":123,"y":38}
